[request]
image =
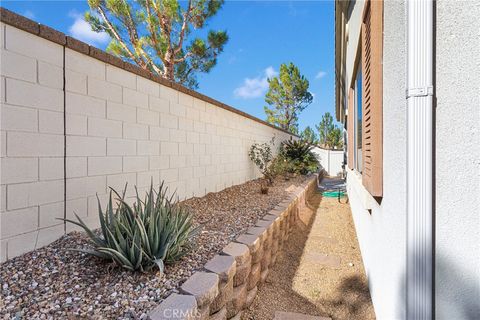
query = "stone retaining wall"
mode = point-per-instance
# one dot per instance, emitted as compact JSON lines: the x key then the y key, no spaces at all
{"x":229,"y":282}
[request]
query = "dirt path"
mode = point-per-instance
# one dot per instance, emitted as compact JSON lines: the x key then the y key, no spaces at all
{"x":319,"y":271}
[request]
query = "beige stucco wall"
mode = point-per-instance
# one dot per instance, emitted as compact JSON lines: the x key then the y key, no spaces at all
{"x":119,"y":127}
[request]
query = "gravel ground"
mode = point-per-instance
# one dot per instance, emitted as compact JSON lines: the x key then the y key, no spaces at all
{"x":53,"y":282}
{"x":320,"y":271}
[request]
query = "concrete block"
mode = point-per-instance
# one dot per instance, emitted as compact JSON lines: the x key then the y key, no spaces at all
{"x":75,"y":82}
{"x":144,"y":179}
{"x":224,"y":295}
{"x":21,"y":244}
{"x":193,"y":137}
{"x":135,"y":163}
{"x":121,"y":147}
{"x":121,"y":77}
{"x":85,"y":105}
{"x":159,"y":162}
{"x":185,"y":173}
{"x":159,"y":104}
{"x":251,"y":294}
{"x":203,"y":286}
{"x":135,"y":131}
{"x":149,"y":117}
{"x":48,"y":235}
{"x":185,"y":124}
{"x":242,"y":273}
{"x":18,"y":118}
{"x":24,"y":195}
{"x":159,"y":133}
{"x":148,"y":86}
{"x":104,"y":90}
{"x":169,"y":148}
{"x":76,"y":124}
{"x":98,"y":127}
{"x":239,"y":251}
{"x":50,"y":75}
{"x":178,"y":110}
{"x":118,"y":182}
{"x":18,"y":66}
{"x":85,"y":186}
{"x":33,"y":46}
{"x":135,"y":98}
{"x":118,"y":111}
{"x":178,"y":162}
{"x":169,"y":94}
{"x":237,"y":303}
{"x":38,"y":96}
{"x":51,"y":168}
{"x":254,"y":276}
{"x":76,"y":167}
{"x":16,"y":170}
{"x":86,"y":146}
{"x":223,"y":266}
{"x":18,"y":221}
{"x":178,"y":135}
{"x":185,"y":149}
{"x":176,"y":306}
{"x":219,"y":315}
{"x":50,"y":122}
{"x":104,"y":165}
{"x":49,"y":214}
{"x":169,"y":175}
{"x":84,"y":64}
{"x":33,"y":144}
{"x":168,"y":121}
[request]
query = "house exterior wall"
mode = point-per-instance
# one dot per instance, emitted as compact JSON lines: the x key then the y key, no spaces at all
{"x":119,"y":127}
{"x":381,"y":227}
{"x":457,"y":157}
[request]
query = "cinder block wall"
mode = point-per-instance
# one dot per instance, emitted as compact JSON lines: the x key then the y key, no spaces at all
{"x":110,"y":124}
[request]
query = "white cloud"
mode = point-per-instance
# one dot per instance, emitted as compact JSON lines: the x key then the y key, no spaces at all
{"x":29,"y":14}
{"x":82,"y":30}
{"x":255,"y":87}
{"x":320,"y":75}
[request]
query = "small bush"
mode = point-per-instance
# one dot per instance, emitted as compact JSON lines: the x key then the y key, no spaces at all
{"x":261,"y":155}
{"x":154,"y":231}
{"x":299,"y":156}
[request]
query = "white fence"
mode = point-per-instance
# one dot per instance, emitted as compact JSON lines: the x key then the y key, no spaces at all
{"x":330,"y":160}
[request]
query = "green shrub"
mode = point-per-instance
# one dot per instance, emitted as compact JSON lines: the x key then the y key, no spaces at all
{"x":299,"y":156}
{"x":152,"y":232}
{"x":261,"y":155}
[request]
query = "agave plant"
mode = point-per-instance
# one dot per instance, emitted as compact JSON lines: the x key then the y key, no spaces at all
{"x":152,"y":232}
{"x":299,"y":155}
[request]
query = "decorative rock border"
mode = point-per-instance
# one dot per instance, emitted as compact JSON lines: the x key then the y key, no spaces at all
{"x":229,"y":282}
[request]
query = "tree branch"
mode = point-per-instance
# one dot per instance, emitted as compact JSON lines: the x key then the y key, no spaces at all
{"x":186,"y":17}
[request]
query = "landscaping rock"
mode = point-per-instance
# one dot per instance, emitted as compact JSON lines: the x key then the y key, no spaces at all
{"x":254,"y":276}
{"x":250,"y":297}
{"x":203,"y":286}
{"x":176,"y":306}
{"x":223,"y":266}
{"x":225,"y":295}
{"x":239,"y":298}
{"x":242,"y":273}
{"x":220,"y":315}
{"x":239,"y":251}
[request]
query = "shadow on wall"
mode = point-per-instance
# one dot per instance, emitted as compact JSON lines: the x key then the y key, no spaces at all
{"x":456,"y":297}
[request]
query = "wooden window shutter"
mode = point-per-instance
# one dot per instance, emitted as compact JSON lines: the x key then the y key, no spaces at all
{"x":350,"y":129}
{"x":372,"y":97}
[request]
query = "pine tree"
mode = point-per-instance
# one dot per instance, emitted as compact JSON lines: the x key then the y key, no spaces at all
{"x":309,"y":135}
{"x":287,"y":96}
{"x":330,"y":134}
{"x":153,"y":34}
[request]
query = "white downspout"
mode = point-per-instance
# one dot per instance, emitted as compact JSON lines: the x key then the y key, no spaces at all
{"x":419,"y":160}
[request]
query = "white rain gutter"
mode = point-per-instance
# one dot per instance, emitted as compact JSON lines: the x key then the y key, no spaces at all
{"x":420,"y":28}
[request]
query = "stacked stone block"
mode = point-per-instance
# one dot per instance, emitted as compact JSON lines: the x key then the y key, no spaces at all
{"x":231,"y":280}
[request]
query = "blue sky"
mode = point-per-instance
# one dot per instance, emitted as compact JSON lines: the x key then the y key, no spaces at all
{"x":263,"y":34}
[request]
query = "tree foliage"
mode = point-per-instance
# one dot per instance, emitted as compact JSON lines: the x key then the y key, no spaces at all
{"x":330,"y":135}
{"x":287,"y":96}
{"x":154,"y":33}
{"x":309,"y":135}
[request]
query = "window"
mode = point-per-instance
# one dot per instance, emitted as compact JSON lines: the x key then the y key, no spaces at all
{"x":358,"y":120}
